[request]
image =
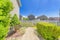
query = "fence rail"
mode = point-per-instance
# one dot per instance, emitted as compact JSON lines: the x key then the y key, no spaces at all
{"x":36,"y":21}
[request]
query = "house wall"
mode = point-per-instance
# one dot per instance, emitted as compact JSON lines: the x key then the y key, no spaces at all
{"x":16,"y":8}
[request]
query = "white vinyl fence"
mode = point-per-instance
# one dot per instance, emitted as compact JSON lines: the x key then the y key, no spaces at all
{"x":36,"y":21}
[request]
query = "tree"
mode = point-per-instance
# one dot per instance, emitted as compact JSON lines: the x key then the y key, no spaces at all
{"x":43,"y":17}
{"x":25,"y":18}
{"x":15,"y":22}
{"x":5,"y":8}
{"x":31,"y":17}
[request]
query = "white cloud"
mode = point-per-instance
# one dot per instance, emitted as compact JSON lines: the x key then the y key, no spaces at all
{"x":36,"y":16}
{"x":25,"y":16}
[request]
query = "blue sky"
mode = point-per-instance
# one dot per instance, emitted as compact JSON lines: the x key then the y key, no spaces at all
{"x":49,"y":8}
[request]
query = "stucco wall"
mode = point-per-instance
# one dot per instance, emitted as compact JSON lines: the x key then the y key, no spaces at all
{"x":16,"y":8}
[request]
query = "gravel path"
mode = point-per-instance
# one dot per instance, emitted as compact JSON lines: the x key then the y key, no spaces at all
{"x":30,"y":34}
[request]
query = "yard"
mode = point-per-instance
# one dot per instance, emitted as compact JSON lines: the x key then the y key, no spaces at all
{"x":11,"y":28}
{"x":38,"y":31}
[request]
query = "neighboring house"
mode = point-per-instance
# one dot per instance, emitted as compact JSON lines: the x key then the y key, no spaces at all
{"x":16,"y":5}
{"x":54,"y":18}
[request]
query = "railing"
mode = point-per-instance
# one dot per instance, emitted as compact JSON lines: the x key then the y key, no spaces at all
{"x":36,"y":21}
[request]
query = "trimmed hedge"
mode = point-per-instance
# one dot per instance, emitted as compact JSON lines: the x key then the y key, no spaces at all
{"x":48,"y":31}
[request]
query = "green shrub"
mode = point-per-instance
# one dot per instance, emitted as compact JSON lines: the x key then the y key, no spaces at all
{"x":15,"y":22}
{"x":48,"y":31}
{"x":5,"y":8}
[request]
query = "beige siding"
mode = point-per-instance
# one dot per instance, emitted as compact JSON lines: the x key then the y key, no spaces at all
{"x":16,"y":8}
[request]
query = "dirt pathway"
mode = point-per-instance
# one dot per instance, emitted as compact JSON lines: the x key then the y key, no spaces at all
{"x":30,"y":34}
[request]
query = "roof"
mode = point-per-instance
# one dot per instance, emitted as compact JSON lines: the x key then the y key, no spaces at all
{"x":19,"y":2}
